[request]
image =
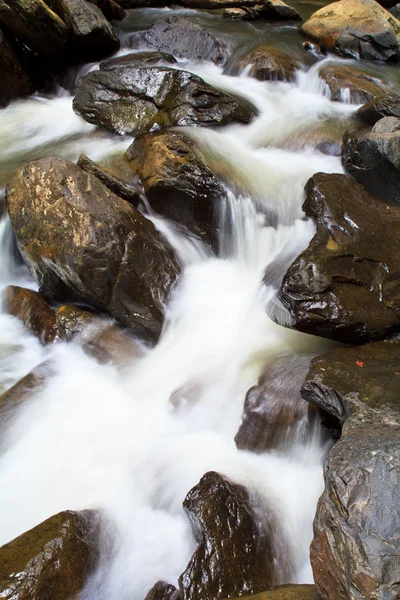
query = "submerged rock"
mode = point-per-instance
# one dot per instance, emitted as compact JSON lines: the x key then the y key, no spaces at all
{"x":138,"y":59}
{"x":235,"y":554}
{"x":345,"y":284}
{"x":267,"y":62}
{"x":22,"y":390}
{"x":53,"y":560}
{"x":15,"y":80}
{"x":176,"y":180}
{"x":387,"y":105}
{"x":356,"y":28}
{"x":350,"y":84}
{"x":131,"y":100}
{"x":373,"y":158}
{"x":81,"y":240}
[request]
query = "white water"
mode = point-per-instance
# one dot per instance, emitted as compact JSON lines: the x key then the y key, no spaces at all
{"x":133,"y":443}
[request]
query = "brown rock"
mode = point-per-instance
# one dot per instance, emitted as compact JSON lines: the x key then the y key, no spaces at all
{"x":21,"y":391}
{"x":287,"y":592}
{"x":138,"y":59}
{"x":163,"y":591}
{"x":32,"y":309}
{"x":15,"y":81}
{"x":386,"y":105}
{"x":268,"y":63}
{"x":350,"y":83}
{"x":110,"y":9}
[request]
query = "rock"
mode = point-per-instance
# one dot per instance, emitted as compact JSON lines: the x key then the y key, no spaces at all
{"x":81,"y":240}
{"x":15,"y":81}
{"x":163,"y":591}
{"x":395,"y":11}
{"x":275,"y":415}
{"x":234,"y":555}
{"x":53,"y":560}
{"x":387,"y":105}
{"x":350,"y":84}
{"x":131,"y":100}
{"x":373,"y":158}
{"x":128,"y":191}
{"x":138,"y":59}
{"x":354,"y":553}
{"x":15,"y":396}
{"x":287,"y":592}
{"x":345,"y":284}
{"x":176,"y":181}
{"x":268,"y":63}
{"x":266,"y":9}
{"x":110,"y":9}
{"x":356,"y":28}
{"x":184,"y":39}
{"x":31,"y":308}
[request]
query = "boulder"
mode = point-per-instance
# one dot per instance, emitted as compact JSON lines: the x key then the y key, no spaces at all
{"x":138,"y":59}
{"x":387,"y":105}
{"x":350,"y":84}
{"x":163,"y":591}
{"x":266,"y":9}
{"x":131,"y":101}
{"x":345,"y":284}
{"x":23,"y":389}
{"x":275,"y":415}
{"x":373,"y":158}
{"x":176,"y":181}
{"x":53,"y":560}
{"x":32,"y":309}
{"x":267,"y":63}
{"x":356,"y":28}
{"x":80,"y":240}
{"x":235,"y":553}
{"x":15,"y":80}
{"x":110,"y":9}
{"x":286,"y":592}
{"x":395,"y":11}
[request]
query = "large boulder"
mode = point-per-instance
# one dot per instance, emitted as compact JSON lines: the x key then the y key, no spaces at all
{"x":235,"y":553}
{"x":345,"y":284}
{"x":267,"y":63}
{"x":373,"y":158}
{"x":176,"y":181}
{"x":53,"y":560}
{"x":386,"y":105}
{"x":81,"y":240}
{"x":350,"y":84}
{"x":138,"y":59}
{"x":15,"y":80}
{"x":130,"y":100}
{"x":356,"y":28}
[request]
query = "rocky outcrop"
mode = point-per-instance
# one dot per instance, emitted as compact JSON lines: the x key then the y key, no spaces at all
{"x":176,"y":181}
{"x":287,"y":592}
{"x":138,"y":59}
{"x":15,"y":80}
{"x":132,"y":101}
{"x":356,"y":28}
{"x":53,"y":560}
{"x":350,"y":84}
{"x":387,"y":105}
{"x":268,"y":63}
{"x":234,"y":554}
{"x":373,"y":158}
{"x":345,"y":284}
{"x":163,"y":591}
{"x":81,"y":240}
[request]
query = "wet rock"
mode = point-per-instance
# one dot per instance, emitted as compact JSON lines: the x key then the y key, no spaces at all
{"x":138,"y":59}
{"x":23,"y":389}
{"x":110,"y":9}
{"x":275,"y":414}
{"x":268,"y":63}
{"x":350,"y":84}
{"x":266,"y":9}
{"x":387,"y":105}
{"x":128,"y":191}
{"x":395,"y":11}
{"x":184,"y":39}
{"x":81,"y":240}
{"x":131,"y":100}
{"x":234,"y":555}
{"x":15,"y":81}
{"x":31,"y":308}
{"x":163,"y":591}
{"x":345,"y":284}
{"x":176,"y":180}
{"x":356,"y":28}
{"x":287,"y":592}
{"x":53,"y":560}
{"x":373,"y":158}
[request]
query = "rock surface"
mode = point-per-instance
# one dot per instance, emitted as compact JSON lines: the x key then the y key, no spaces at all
{"x":266,"y":9}
{"x":350,"y":83}
{"x":110,"y":9}
{"x":23,"y":389}
{"x":234,"y":555}
{"x":32,"y":309}
{"x":267,"y":63}
{"x":176,"y":181}
{"x":356,"y":28}
{"x":138,"y":59}
{"x":15,"y":80}
{"x":132,"y":101}
{"x":163,"y":591}
{"x":345,"y":284}
{"x":373,"y":158}
{"x":387,"y":105}
{"x":79,"y":239}
{"x":53,"y":560}
{"x":286,"y":592}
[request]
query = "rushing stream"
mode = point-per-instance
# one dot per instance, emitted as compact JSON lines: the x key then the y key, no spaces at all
{"x":133,"y":442}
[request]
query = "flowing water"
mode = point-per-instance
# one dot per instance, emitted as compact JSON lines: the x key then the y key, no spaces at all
{"x":133,"y":442}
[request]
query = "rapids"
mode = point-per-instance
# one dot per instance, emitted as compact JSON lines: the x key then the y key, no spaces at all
{"x":133,"y":442}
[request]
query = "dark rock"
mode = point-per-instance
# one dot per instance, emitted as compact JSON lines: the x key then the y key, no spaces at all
{"x":163,"y":591}
{"x":79,"y":239}
{"x":345,"y":285}
{"x":395,"y":11}
{"x":287,"y":592}
{"x":110,"y":9}
{"x":31,"y":308}
{"x":15,"y":80}
{"x":234,"y":554}
{"x":131,"y":100}
{"x":356,"y":28}
{"x":373,"y":158}
{"x":53,"y":560}
{"x":268,"y":63}
{"x":275,"y":414}
{"x":350,"y":83}
{"x":130,"y":193}
{"x":387,"y":105}
{"x":176,"y":181}
{"x":138,"y":59}
{"x":253,"y":9}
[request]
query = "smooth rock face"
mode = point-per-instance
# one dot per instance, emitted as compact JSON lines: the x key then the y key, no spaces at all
{"x":268,"y":63}
{"x":357,"y":28}
{"x":345,"y":284}
{"x":234,"y":555}
{"x":287,"y":592}
{"x":79,"y":239}
{"x":15,"y":81}
{"x":31,"y":308}
{"x":163,"y":591}
{"x":14,"y":397}
{"x":387,"y":105}
{"x":138,"y":59}
{"x":373,"y":158}
{"x":132,"y":101}
{"x":53,"y":560}
{"x":176,"y":181}
{"x":351,"y":84}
